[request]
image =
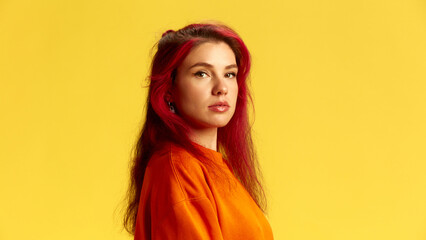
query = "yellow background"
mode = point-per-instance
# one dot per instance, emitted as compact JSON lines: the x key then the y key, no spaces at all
{"x":340,"y":97}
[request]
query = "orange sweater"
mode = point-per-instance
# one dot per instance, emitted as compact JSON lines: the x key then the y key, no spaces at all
{"x":180,"y":199}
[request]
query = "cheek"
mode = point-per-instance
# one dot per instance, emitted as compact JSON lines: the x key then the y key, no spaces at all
{"x":189,"y":97}
{"x":234,"y":90}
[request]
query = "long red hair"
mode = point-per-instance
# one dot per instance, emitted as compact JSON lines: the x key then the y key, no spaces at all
{"x":161,"y":125}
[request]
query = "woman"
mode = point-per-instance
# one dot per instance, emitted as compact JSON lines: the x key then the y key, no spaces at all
{"x":194,"y":173}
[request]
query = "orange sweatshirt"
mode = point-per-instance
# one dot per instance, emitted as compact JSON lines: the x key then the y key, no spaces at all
{"x":181,"y":200}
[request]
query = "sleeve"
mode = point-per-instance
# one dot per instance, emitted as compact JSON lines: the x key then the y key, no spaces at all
{"x":192,"y":219}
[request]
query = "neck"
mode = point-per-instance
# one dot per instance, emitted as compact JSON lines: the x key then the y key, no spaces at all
{"x":206,"y":137}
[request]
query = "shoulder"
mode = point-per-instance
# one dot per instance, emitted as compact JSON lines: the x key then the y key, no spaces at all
{"x":173,"y":173}
{"x":174,"y":191}
{"x":175,"y":160}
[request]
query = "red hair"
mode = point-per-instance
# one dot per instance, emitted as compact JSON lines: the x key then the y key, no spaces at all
{"x":161,"y":125}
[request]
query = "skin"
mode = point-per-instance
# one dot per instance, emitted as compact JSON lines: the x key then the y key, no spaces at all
{"x":206,"y":76}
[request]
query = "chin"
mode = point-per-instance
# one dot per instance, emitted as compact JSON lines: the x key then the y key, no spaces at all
{"x":213,"y":124}
{"x":222,"y":124}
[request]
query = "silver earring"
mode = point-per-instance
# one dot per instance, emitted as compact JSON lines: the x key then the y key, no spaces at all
{"x":172,"y":109}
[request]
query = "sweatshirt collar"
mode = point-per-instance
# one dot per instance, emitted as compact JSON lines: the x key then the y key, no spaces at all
{"x":209,"y":152}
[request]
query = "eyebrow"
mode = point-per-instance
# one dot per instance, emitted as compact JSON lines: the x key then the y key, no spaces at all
{"x":203,"y":64}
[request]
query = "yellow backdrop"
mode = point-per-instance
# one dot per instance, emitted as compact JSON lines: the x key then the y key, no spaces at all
{"x":340,"y":97}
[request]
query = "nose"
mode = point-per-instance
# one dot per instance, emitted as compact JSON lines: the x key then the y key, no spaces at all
{"x":220,"y":87}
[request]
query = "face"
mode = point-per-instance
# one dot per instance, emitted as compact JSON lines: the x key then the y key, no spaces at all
{"x":205,"y":89}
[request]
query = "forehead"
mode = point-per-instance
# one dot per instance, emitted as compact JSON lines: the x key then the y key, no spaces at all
{"x":215,"y":53}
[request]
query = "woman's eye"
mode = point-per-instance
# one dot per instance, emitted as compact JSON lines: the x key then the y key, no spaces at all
{"x":201,"y":74}
{"x":231,"y":75}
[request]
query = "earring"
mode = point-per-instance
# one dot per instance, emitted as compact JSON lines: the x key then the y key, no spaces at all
{"x":171,"y":107}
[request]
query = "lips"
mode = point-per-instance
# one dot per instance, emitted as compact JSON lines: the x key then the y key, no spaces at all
{"x":219,"y":107}
{"x":223,"y":104}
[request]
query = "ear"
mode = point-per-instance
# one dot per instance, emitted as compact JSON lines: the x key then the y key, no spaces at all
{"x":168,"y":96}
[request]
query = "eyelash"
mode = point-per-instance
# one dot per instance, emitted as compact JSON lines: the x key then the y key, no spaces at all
{"x":234,"y":74}
{"x":198,"y":74}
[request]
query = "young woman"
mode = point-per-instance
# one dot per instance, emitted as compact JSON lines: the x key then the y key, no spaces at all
{"x":194,"y":174}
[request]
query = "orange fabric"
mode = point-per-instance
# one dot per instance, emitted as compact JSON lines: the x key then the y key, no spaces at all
{"x":180,"y":199}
